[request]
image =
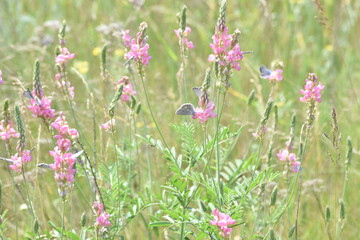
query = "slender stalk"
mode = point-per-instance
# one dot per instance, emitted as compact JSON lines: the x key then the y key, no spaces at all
{"x":142,"y":77}
{"x":63,"y":220}
{"x":300,"y":186}
{"x":130,"y":154}
{"x":136,"y":148}
{"x":182,"y":231}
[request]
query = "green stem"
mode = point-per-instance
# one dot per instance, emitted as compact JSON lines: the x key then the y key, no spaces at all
{"x":182,"y":232}
{"x":300,"y":184}
{"x":63,"y":220}
{"x":150,"y":109}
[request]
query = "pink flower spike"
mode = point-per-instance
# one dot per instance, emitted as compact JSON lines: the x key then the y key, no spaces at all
{"x":108,"y":125}
{"x":1,"y":79}
{"x":183,"y":35}
{"x":222,"y":220}
{"x":64,"y":56}
{"x":139,"y":52}
{"x":312,"y":89}
{"x":7,"y":131}
{"x":102,"y":219}
{"x":283,"y":155}
{"x":205,"y":114}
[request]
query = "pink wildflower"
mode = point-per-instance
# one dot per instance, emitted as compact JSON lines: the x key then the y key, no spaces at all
{"x":183,"y":35}
{"x":41,"y":107}
{"x":64,"y":161}
{"x":260,"y":133}
{"x":276,"y":75}
{"x":18,"y":161}
{"x":127,"y":89}
{"x":64,"y":56}
{"x":127,"y":38}
{"x":1,"y":79}
{"x":139,"y":52}
{"x":226,"y":49}
{"x":312,"y":89}
{"x":7,"y":131}
{"x":204,"y":114}
{"x":285,"y":155}
{"x":222,"y":220}
{"x":109,"y":124}
{"x":61,"y":125}
{"x":102,"y":219}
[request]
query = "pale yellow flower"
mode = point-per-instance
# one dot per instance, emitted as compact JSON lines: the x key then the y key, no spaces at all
{"x":96,"y":51}
{"x":81,"y":66}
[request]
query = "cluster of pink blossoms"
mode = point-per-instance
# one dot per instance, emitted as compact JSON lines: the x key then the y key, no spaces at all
{"x":66,"y":85}
{"x":285,"y":155}
{"x":63,"y":159}
{"x":222,"y":220}
{"x":102,"y":218}
{"x":41,"y":107}
{"x":139,"y":47}
{"x":7,"y":131}
{"x":127,"y":89}
{"x":139,"y":52}
{"x":271,"y":75}
{"x":1,"y":80}
{"x":203,"y":114}
{"x":312,"y":89}
{"x":18,"y":161}
{"x":226,"y":51}
{"x":182,"y":35}
{"x":64,"y":56}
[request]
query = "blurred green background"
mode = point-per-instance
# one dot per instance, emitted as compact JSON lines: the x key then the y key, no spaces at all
{"x":320,"y":36}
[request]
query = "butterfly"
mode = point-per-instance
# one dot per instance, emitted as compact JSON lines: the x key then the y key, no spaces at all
{"x":186,"y":109}
{"x":27,"y":93}
{"x":198,"y":91}
{"x":265,"y":72}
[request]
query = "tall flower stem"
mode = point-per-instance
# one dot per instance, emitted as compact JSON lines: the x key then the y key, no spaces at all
{"x":217,"y":139}
{"x":136,"y":147}
{"x":300,"y":183}
{"x":63,"y":219}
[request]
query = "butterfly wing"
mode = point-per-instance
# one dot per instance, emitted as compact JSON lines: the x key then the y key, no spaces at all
{"x":197,"y":91}
{"x":186,"y":109}
{"x":27,"y":93}
{"x":264,"y":72}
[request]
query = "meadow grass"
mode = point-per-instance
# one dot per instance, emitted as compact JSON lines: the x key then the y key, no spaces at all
{"x":138,"y":176}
